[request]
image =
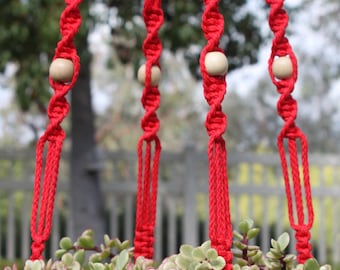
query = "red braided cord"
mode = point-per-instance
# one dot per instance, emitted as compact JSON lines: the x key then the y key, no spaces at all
{"x":53,"y":137}
{"x":148,"y":158}
{"x":220,"y":228}
{"x":287,"y":109}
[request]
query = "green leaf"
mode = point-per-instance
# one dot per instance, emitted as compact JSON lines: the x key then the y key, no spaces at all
{"x":212,"y":254}
{"x":65,"y":243}
{"x":59,"y":253}
{"x":126,"y":244}
{"x":253,"y":233}
{"x":240,"y":245}
{"x":218,"y":263}
{"x":241,"y":262}
{"x":186,"y":250}
{"x":236,"y":267}
{"x":206,"y":245}
{"x":283,"y":241}
{"x":107,"y":240}
{"x":67,"y":259}
{"x":122,"y":260}
{"x":86,"y":242}
{"x":250,"y":247}
{"x":243,"y":227}
{"x":311,"y":264}
{"x":258,"y":257}
{"x":79,"y":256}
{"x":198,"y":253}
{"x":183,"y":262}
{"x":288,"y":258}
{"x":237,"y":235}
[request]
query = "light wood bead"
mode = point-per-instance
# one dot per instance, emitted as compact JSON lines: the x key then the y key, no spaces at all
{"x":216,"y":63}
{"x":61,"y":70}
{"x":155,"y":75}
{"x":282,"y":67}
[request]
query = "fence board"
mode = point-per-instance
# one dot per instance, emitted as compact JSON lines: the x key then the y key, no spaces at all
{"x":255,"y":181}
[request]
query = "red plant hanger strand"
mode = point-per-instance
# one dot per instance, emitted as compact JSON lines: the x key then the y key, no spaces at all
{"x":53,"y":137}
{"x":287,"y":109}
{"x":149,"y":146}
{"x":220,"y":228}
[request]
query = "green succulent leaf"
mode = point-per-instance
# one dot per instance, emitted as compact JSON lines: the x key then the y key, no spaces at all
{"x":183,"y":262}
{"x":289,"y":258}
{"x":283,"y":241}
{"x":276,"y":253}
{"x":198,"y":253}
{"x":67,"y":259}
{"x":218,"y":263}
{"x":206,"y":245}
{"x":212,"y":254}
{"x":96,"y":266}
{"x":96,"y":257}
{"x":86,"y":242}
{"x":122,"y":260}
{"x":203,"y":266}
{"x":237,"y":235}
{"x":241,"y":262}
{"x":236,"y":267}
{"x":240,"y":245}
{"x":252,"y":233}
{"x":59,"y":253}
{"x":126,"y":244}
{"x":258,"y":257}
{"x":79,"y":256}
{"x":272,"y":256}
{"x":186,"y":250}
{"x":251,"y":247}
{"x":275,"y":244}
{"x":65,"y":243}
{"x":243,"y":227}
{"x":311,"y":264}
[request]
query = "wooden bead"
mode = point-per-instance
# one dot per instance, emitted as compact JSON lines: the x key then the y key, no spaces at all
{"x":282,"y":67}
{"x":61,"y":70}
{"x":216,"y":63}
{"x":155,"y":75}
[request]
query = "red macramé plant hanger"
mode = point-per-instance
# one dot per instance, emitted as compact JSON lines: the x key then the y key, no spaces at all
{"x":213,"y":65}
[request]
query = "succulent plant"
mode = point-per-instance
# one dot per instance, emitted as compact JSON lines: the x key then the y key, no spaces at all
{"x":113,"y":254}
{"x":199,"y":258}
{"x":247,"y":255}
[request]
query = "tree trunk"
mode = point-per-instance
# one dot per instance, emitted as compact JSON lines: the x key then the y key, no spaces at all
{"x":86,"y":196}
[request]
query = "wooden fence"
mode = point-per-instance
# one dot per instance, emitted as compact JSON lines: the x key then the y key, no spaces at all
{"x":256,"y":190}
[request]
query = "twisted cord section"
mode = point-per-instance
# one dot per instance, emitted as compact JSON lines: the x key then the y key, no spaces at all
{"x":301,"y":221}
{"x":46,"y":171}
{"x":149,"y":146}
{"x":220,"y":228}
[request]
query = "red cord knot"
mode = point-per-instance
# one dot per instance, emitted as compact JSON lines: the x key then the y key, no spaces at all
{"x":223,"y":248}
{"x":144,"y":241}
{"x":37,"y":249}
{"x":216,"y":123}
{"x":303,"y":246}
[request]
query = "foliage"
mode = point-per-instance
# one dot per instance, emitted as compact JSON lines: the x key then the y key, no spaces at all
{"x":116,"y":255}
{"x":182,"y":29}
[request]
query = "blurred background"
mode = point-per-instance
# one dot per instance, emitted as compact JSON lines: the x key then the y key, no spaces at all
{"x":97,"y":180}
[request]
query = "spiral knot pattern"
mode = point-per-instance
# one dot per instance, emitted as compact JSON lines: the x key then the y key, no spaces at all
{"x":287,"y":110}
{"x":145,"y":241}
{"x":53,"y":137}
{"x":149,"y":146}
{"x":214,"y":87}
{"x":303,"y":246}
